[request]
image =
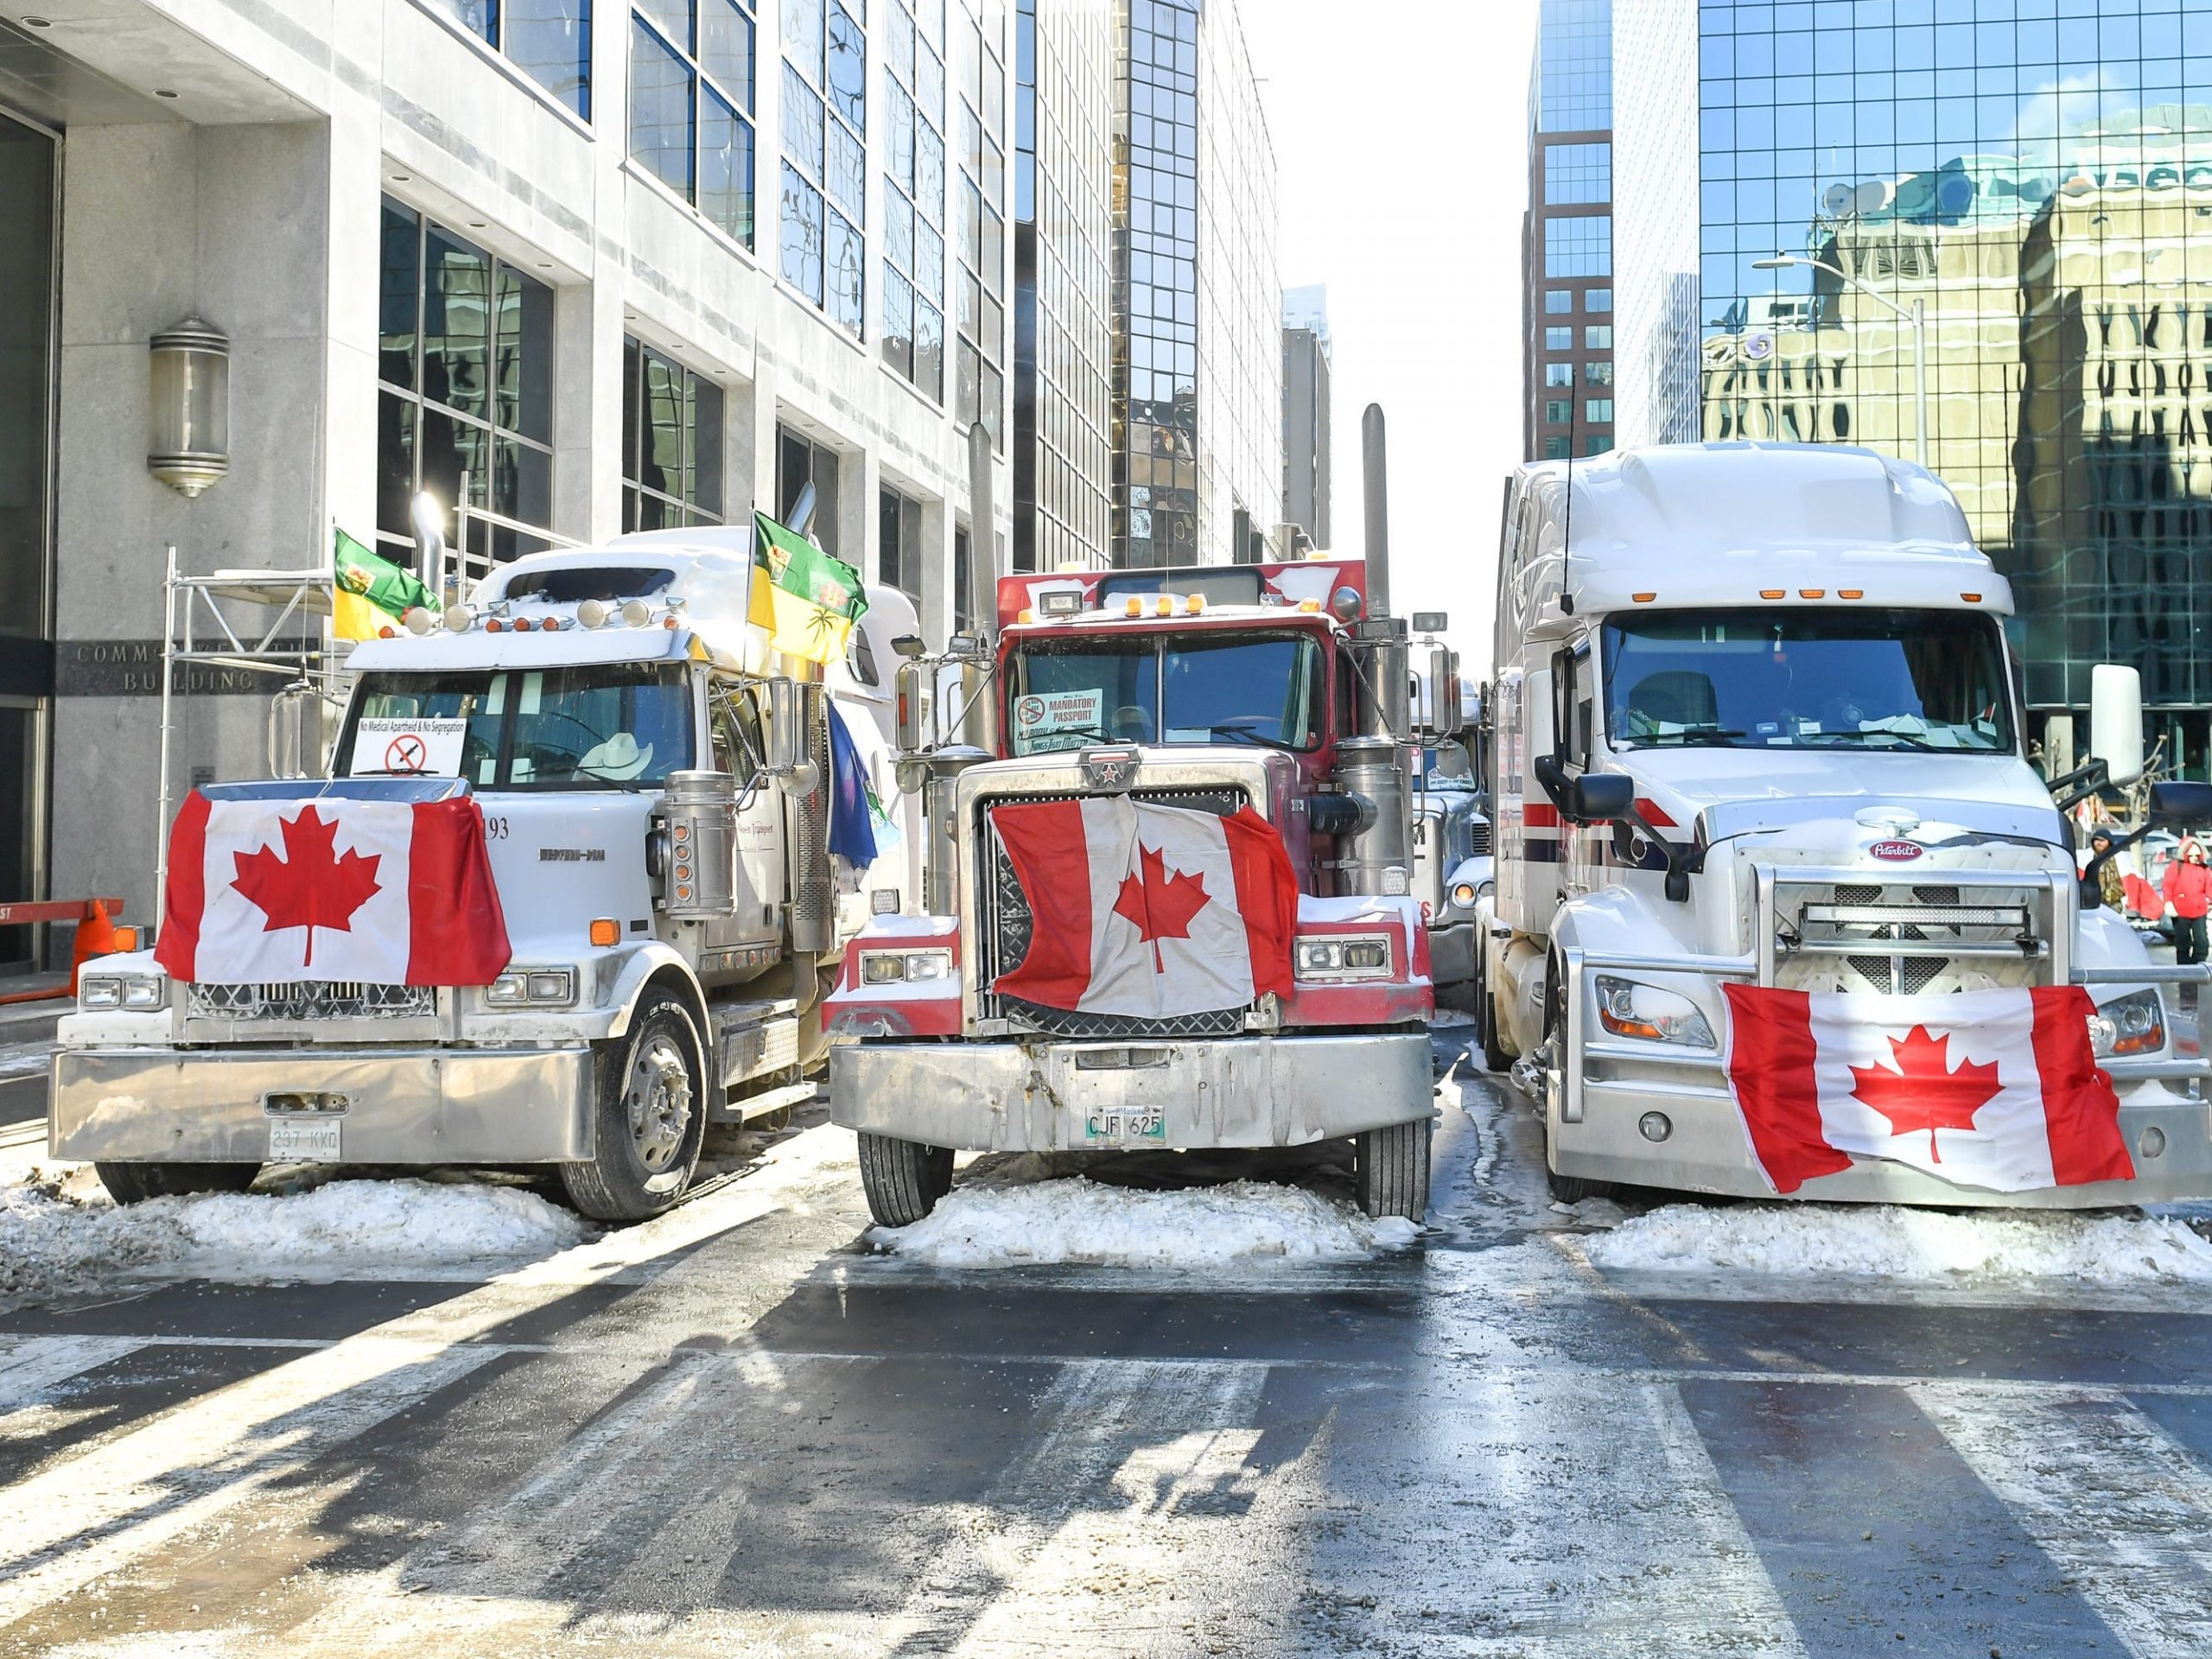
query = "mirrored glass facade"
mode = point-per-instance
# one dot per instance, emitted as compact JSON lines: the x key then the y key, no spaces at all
{"x":2035,"y":176}
{"x":1567,"y":259}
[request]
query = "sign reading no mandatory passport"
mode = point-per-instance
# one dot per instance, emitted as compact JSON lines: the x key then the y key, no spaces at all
{"x":1058,"y":720}
{"x":408,"y":748}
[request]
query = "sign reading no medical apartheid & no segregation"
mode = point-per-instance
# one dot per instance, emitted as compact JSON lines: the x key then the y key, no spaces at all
{"x":281,"y":891}
{"x":425,"y":747}
{"x":1997,"y":1089}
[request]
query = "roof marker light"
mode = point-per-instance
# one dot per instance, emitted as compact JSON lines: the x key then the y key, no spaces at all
{"x":1195,"y":605}
{"x":1851,"y":593}
{"x":1774,"y":593}
{"x":521,"y":624}
{"x":592,"y":613}
{"x":1132,"y":607}
{"x":1643,"y":599}
{"x":1971,"y":599}
{"x":493,"y":625}
{"x":1309,"y":605}
{"x":458,"y":617}
{"x":1811,"y":592}
{"x":636,"y":613}
{"x":417,"y":621}
{"x":1163,"y":605}
{"x":1026,"y":616}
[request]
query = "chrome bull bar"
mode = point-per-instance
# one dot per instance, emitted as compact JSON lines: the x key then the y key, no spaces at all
{"x":2054,"y":894}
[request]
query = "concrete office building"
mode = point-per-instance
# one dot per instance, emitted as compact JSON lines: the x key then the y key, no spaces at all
{"x":1305,"y":352}
{"x":616,"y":263}
{"x":1063,"y":259}
{"x":1198,"y":363}
{"x":2036,"y":178}
{"x":1566,"y":254}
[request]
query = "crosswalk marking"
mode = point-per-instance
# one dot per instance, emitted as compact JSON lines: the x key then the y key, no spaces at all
{"x":2105,"y":1493}
{"x":30,"y":1366}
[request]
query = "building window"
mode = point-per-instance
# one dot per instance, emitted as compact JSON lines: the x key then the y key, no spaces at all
{"x":1599,"y":411}
{"x":1600,"y":445}
{"x":1598,"y":337}
{"x":898,"y":544}
{"x":1578,"y":175}
{"x":914,"y":195}
{"x":801,"y":461}
{"x":465,"y":358}
{"x":1559,"y":339}
{"x":550,"y":41}
{"x":1597,"y":374}
{"x":1558,"y":411}
{"x":1558,"y":374}
{"x":1557,"y":450}
{"x":1559,"y":300}
{"x":671,"y":443}
{"x":691,"y":105}
{"x":825,"y":158}
{"x":1597,"y":299}
{"x":1582,"y":246}
{"x":1575,"y":65}
{"x":979,"y":195}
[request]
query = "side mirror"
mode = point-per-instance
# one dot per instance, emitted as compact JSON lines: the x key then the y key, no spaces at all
{"x":1601,"y":797}
{"x":913,"y":706}
{"x":2181,"y":807}
{"x":2116,"y":722}
{"x":786,"y":741}
{"x":1447,"y":718}
{"x":908,"y":645}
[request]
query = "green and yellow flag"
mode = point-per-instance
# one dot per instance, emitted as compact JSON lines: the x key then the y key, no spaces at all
{"x":807,"y":600}
{"x":369,"y":592}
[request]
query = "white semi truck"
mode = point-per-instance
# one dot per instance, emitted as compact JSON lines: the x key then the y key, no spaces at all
{"x":1754,"y":719}
{"x":653,"y":781}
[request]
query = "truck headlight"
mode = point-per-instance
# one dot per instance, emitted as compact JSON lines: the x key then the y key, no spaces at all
{"x":1627,"y":1008}
{"x":1367,"y":956}
{"x":543,"y":988}
{"x":904,"y":967}
{"x":2135,"y":1024}
{"x":138,"y":993}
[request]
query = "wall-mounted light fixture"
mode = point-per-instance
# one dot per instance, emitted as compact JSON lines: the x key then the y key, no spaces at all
{"x":189,"y":427}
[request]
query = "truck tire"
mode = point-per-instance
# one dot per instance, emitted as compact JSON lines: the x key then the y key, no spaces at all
{"x":651,"y":1118}
{"x":1391,"y":1169}
{"x":1495,"y":1058}
{"x":132,"y":1182}
{"x":1565,"y":1189}
{"x":903,"y":1179}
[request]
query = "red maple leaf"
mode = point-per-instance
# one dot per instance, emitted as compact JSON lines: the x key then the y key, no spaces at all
{"x":1161,"y":905}
{"x":311,"y":886}
{"x":1923,"y":1093}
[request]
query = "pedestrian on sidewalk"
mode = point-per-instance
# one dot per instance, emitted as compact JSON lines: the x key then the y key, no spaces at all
{"x":2110,"y":885}
{"x":2188,"y":889}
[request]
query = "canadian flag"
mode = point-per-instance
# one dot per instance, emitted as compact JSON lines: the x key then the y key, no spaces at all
{"x":1989,"y":1089}
{"x":387,"y":893}
{"x":1148,"y":910}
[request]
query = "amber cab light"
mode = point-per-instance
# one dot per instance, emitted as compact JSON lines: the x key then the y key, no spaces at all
{"x":1643,"y":599}
{"x":1774,"y":593}
{"x":1971,"y":599}
{"x":1811,"y":592}
{"x":604,"y":931}
{"x":126,"y":938}
{"x":1851,"y":593}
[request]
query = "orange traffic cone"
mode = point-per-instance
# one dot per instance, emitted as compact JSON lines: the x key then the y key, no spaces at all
{"x":95,"y":938}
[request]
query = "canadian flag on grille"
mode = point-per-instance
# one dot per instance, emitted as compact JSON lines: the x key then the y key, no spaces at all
{"x":1989,"y":1089}
{"x":278,"y":892}
{"x":1148,"y":910}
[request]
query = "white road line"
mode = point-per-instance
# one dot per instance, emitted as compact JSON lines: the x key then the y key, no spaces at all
{"x":2122,"y":1508}
{"x":30,"y":1366}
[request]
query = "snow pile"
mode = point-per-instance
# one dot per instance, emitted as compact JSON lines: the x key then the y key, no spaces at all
{"x":55,"y":1234}
{"x":1923,"y":1245}
{"x":1080,"y":1221}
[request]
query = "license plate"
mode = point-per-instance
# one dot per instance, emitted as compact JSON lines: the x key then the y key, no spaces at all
{"x":303,"y":1141}
{"x":1122,"y":1127}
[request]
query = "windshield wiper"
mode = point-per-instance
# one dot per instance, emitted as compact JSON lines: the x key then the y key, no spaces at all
{"x":1905,"y":738}
{"x":1245,"y":733}
{"x":1706,"y":736}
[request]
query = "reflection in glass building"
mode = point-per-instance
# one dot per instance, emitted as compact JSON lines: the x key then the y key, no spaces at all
{"x":2035,"y":178}
{"x":1197,"y":372}
{"x":1063,"y":242}
{"x":1568,"y":254}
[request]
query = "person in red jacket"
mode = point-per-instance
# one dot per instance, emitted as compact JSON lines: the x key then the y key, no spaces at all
{"x":2188,"y":889}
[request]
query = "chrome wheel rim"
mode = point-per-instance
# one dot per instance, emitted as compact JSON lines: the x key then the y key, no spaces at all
{"x":659,"y":1100}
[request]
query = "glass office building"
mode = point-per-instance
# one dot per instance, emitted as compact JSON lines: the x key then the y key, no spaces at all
{"x":2034,"y":177}
{"x":1568,"y":247}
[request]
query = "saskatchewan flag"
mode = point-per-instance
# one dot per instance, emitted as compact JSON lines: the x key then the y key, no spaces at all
{"x":369,"y":592}
{"x":806,"y":600}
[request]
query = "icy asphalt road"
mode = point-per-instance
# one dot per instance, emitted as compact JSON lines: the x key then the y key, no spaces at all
{"x":735,"y":1431}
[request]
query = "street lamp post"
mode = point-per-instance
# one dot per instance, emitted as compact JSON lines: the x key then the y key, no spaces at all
{"x":1917,"y":317}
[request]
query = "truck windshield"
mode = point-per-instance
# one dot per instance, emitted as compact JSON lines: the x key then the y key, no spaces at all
{"x":597,"y":725}
{"x":1266,"y":691}
{"x":1826,"y":678}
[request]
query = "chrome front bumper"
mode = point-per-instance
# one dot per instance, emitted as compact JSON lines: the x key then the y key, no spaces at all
{"x":1063,"y":1096}
{"x":400,"y":1106}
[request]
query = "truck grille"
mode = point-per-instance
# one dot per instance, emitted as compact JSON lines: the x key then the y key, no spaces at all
{"x":1478,"y":838}
{"x":314,"y":998}
{"x":1834,"y":939}
{"x":1004,"y":925}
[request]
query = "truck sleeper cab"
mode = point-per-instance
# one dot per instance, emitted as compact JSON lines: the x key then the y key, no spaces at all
{"x":645,"y":998}
{"x":1758,"y":722}
{"x":1215,"y":691}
